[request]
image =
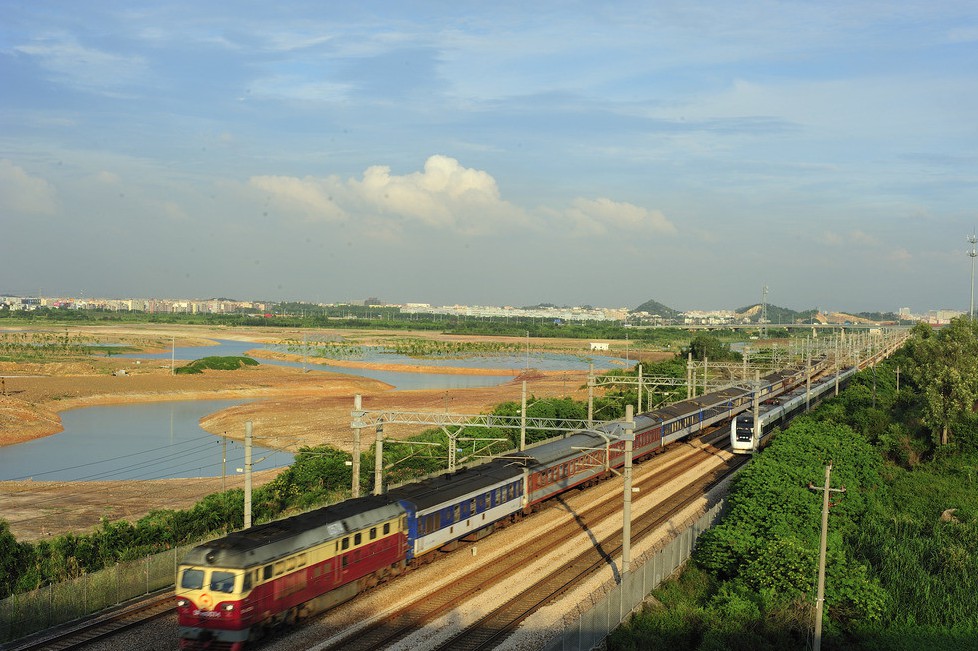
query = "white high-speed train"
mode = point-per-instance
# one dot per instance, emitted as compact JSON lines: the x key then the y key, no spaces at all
{"x":778,"y":411}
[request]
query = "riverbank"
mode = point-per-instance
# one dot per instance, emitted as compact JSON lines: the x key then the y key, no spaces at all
{"x":289,"y":409}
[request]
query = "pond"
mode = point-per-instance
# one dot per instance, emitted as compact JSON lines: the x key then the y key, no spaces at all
{"x":144,"y":441}
{"x":159,"y":440}
{"x":400,"y":380}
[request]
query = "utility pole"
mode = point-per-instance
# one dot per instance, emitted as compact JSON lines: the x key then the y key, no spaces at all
{"x":590,"y":396}
{"x":523,"y":419}
{"x":357,"y":407}
{"x":379,"y":461}
{"x":247,"y":474}
{"x":224,"y":462}
{"x":820,"y":598}
{"x":626,"y":533}
{"x":757,"y":411}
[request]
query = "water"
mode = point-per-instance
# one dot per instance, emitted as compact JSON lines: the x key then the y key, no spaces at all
{"x":143,"y":441}
{"x":400,"y":380}
{"x":377,"y":354}
{"x":158,"y":440}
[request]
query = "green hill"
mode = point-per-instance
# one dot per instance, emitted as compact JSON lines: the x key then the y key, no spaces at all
{"x":655,"y":307}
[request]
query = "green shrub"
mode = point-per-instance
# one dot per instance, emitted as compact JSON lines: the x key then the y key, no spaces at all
{"x":231,"y":363}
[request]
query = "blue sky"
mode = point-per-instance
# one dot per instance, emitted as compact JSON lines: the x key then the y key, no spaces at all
{"x":492,"y":153}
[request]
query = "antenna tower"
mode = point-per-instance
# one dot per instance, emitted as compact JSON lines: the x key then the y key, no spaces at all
{"x":764,"y":311}
{"x":973,"y":239}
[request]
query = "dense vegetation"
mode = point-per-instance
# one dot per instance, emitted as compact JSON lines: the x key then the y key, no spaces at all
{"x":230,"y":363}
{"x":903,"y":539}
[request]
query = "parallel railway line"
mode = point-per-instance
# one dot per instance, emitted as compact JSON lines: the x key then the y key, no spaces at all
{"x":100,"y":627}
{"x":418,"y":613}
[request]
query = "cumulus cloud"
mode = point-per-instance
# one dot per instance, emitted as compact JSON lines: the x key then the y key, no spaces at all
{"x":449,"y":197}
{"x":310,"y":196}
{"x":25,"y":194}
{"x":600,"y":216}
{"x":444,"y":195}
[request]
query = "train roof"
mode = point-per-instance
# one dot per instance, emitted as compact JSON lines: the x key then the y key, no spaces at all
{"x":266,"y":542}
{"x":450,"y":486}
{"x":562,"y":448}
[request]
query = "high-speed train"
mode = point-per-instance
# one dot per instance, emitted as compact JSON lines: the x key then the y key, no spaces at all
{"x":229,"y":591}
{"x":776,"y":412}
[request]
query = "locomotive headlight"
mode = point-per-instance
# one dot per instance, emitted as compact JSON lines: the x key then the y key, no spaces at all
{"x":228,"y":607}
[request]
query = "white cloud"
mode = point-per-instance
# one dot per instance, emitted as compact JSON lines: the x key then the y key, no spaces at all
{"x":601,"y":216}
{"x":856,"y":237}
{"x":312,"y":197}
{"x":22,"y":193}
{"x":109,"y":178}
{"x":448,"y":197}
{"x":445,"y":196}
{"x":859,"y":237}
{"x":81,"y":66}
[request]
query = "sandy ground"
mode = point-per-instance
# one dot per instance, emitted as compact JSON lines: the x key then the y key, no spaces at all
{"x":291,"y":409}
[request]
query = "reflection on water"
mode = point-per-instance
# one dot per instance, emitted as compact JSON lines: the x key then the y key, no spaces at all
{"x":143,"y":441}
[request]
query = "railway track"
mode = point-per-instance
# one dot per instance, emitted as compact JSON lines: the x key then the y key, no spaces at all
{"x":74,"y":636}
{"x":486,"y":633}
{"x":496,"y":625}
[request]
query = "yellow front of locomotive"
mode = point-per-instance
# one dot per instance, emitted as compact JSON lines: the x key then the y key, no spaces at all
{"x":213,"y":609}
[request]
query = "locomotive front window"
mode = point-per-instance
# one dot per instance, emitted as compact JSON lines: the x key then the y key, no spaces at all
{"x":222,"y":581}
{"x":192,"y":580}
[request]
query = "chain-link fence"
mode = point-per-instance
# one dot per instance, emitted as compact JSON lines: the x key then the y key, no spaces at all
{"x":594,"y":626}
{"x":29,"y":612}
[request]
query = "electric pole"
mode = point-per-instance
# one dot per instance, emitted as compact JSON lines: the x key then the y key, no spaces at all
{"x":820,"y":598}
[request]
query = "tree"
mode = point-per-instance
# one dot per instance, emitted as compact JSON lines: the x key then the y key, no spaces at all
{"x":705,"y":346}
{"x":945,"y":366}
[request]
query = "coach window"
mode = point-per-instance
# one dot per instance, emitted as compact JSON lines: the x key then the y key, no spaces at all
{"x":387,"y":528}
{"x":373,"y":533}
{"x":357,"y":537}
{"x":346,"y":543}
{"x":458,"y":513}
{"x":472,"y":506}
{"x":267,"y":572}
